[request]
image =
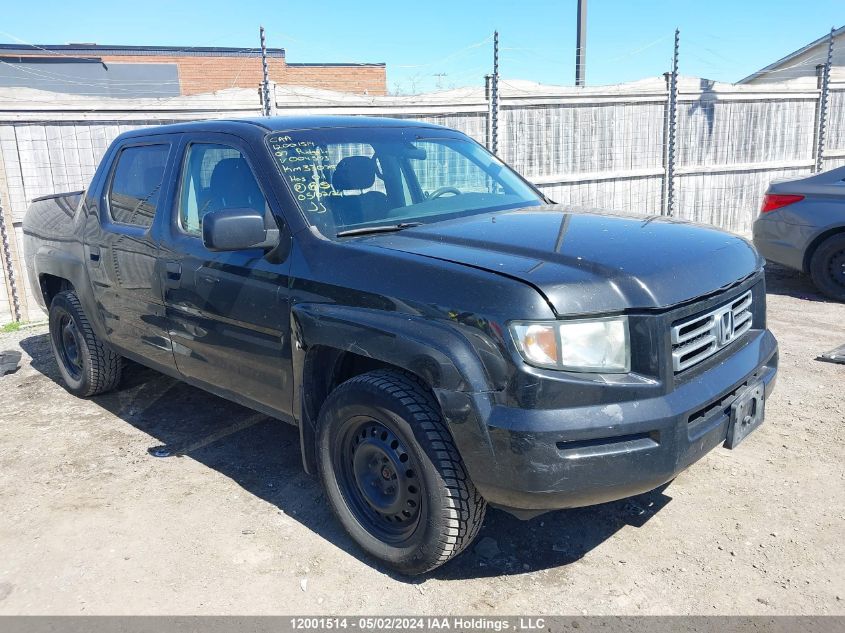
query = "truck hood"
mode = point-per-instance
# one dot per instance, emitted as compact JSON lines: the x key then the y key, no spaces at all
{"x":587,"y":263}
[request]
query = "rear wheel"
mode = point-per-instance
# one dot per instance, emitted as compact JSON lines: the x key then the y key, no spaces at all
{"x":827,"y":267}
{"x":392,"y":473}
{"x":87,"y":366}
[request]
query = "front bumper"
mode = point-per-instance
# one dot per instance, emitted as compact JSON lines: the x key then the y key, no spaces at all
{"x":560,"y":458}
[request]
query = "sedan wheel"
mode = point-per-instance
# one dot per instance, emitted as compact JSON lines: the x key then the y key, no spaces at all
{"x":827,"y":267}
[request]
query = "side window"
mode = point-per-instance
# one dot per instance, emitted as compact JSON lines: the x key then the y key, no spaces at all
{"x":136,"y":184}
{"x":216,"y":177}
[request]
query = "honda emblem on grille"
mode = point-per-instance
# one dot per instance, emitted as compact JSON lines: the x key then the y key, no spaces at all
{"x":725,"y":323}
{"x":704,"y":334}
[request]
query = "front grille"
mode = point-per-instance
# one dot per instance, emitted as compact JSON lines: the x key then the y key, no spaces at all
{"x":698,"y":338}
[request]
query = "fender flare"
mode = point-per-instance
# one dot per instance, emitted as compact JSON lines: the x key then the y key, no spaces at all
{"x":436,"y":351}
{"x":49,"y":260}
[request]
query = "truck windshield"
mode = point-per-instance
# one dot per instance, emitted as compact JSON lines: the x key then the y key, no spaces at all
{"x":354,"y":178}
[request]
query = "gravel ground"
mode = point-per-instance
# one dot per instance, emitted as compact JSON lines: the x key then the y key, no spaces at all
{"x":91,"y":522}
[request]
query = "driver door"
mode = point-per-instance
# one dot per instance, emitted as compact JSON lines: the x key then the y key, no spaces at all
{"x":229,"y":312}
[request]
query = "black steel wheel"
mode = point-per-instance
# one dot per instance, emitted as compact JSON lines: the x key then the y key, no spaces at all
{"x":68,"y":346}
{"x":827,"y":267}
{"x":392,"y":473}
{"x":87,"y":366}
{"x":379,"y":479}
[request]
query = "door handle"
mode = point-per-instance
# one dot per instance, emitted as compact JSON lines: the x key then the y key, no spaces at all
{"x":94,"y":254}
{"x":174,"y":270}
{"x":174,"y":273}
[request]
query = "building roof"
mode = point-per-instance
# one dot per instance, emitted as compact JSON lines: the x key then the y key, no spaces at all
{"x":92,"y":52}
{"x":95,"y":50}
{"x":785,"y":60}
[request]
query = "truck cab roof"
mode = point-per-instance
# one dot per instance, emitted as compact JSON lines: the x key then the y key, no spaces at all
{"x":261,"y":125}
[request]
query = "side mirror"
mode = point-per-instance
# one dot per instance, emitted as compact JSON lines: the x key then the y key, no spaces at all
{"x":236,"y":229}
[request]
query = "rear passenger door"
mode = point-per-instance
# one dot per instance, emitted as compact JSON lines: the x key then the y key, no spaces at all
{"x":228,"y":312}
{"x":121,"y":250}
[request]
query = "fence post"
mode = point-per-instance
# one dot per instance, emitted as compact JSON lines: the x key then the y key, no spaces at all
{"x":494,"y":98}
{"x":821,"y":110}
{"x":271,"y":94}
{"x":9,"y":264}
{"x":488,"y":130}
{"x":265,"y":84}
{"x":670,"y":133}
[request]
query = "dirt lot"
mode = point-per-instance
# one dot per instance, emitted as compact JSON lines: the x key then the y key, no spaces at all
{"x":91,"y":522}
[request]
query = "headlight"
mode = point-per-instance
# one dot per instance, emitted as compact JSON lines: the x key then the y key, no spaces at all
{"x":590,"y":345}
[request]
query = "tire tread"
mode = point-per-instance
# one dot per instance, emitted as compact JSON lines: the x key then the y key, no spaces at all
{"x":464,"y":514}
{"x":818,"y":270}
{"x":105,"y":367}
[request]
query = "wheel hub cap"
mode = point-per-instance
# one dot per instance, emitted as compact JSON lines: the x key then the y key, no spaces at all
{"x":384,"y":486}
{"x":69,"y":346}
{"x":837,"y":268}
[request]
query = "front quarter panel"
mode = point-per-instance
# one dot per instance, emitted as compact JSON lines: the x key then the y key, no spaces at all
{"x":441,"y":321}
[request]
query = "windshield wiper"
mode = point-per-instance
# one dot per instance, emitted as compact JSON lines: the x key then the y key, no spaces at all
{"x":384,"y":228}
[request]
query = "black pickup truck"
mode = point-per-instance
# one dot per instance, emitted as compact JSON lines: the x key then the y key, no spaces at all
{"x":442,"y":335}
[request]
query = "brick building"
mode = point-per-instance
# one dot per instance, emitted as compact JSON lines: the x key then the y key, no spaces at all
{"x":166,"y":71}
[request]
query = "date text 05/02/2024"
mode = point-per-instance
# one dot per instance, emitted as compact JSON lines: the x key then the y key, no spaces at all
{"x":406,"y":623}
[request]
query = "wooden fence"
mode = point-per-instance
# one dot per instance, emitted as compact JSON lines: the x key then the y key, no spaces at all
{"x":603,"y":147}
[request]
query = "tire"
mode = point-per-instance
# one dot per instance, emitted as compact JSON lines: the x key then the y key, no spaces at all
{"x":382,"y":432}
{"x":88,"y":367}
{"x":827,"y":267}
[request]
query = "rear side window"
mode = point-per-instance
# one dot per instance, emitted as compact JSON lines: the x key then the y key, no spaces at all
{"x":136,"y":184}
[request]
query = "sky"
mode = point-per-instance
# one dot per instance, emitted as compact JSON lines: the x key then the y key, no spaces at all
{"x":440,"y":44}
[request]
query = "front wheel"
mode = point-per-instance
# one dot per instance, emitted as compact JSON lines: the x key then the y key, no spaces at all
{"x":392,"y":473}
{"x":827,"y":267}
{"x":87,"y":366}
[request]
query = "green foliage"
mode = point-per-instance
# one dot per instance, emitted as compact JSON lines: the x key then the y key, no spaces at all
{"x":14,"y":326}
